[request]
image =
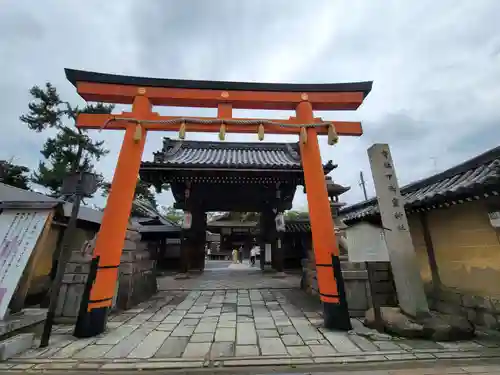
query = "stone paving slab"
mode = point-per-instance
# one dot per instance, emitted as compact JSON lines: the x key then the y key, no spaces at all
{"x":232,"y":279}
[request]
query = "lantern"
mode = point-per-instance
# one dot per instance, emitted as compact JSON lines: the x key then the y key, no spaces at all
{"x":280,"y":223}
{"x":187,"y":220}
{"x":82,"y":183}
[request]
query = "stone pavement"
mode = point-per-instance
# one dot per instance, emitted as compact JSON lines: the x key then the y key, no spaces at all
{"x":230,"y":276}
{"x":229,"y":327}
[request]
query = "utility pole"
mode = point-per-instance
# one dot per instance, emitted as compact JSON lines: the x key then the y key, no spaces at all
{"x":78,"y":185}
{"x":434,"y":163}
{"x":362,"y":183}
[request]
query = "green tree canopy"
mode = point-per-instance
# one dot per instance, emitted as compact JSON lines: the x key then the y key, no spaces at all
{"x":173,"y":214}
{"x":48,"y":111}
{"x":295,"y":215}
{"x":14,"y":175}
{"x":142,"y":191}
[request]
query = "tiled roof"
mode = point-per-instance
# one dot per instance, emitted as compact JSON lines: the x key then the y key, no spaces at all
{"x":144,"y":212}
{"x":148,"y":220}
{"x":87,"y":214}
{"x":473,"y":179}
{"x":233,"y":155}
{"x":297,"y":226}
{"x":13,"y":197}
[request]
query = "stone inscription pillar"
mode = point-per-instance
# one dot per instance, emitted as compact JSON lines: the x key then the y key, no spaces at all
{"x":409,"y":285}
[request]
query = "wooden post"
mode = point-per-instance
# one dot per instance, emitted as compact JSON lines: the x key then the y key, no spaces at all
{"x":280,"y":258}
{"x":431,"y":255}
{"x":184,"y":255}
{"x":326,"y":251}
{"x":371,"y":272}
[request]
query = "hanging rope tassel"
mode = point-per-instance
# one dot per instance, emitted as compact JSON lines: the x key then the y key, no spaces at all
{"x":261,"y":132}
{"x":182,"y":131}
{"x":333,"y":138}
{"x":222,"y":132}
{"x":137,"y":133}
{"x":303,"y":136}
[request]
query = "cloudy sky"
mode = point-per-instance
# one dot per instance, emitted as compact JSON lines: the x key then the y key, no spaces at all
{"x":435,"y":67}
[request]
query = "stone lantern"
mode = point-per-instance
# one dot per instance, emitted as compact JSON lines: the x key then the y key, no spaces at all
{"x":334,"y":190}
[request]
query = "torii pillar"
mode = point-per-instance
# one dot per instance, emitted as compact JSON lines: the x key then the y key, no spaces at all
{"x":326,"y":250}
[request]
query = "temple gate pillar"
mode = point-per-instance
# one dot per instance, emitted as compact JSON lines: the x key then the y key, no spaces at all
{"x":185,"y":251}
{"x":268,"y":235}
{"x":198,"y":238}
{"x":263,"y":237}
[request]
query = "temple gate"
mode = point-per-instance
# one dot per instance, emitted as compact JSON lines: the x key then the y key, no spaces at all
{"x":143,"y":93}
{"x":209,"y":176}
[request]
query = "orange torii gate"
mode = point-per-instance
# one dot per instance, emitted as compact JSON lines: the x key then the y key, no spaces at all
{"x":143,"y":93}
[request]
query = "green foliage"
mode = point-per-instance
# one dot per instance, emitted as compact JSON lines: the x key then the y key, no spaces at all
{"x":173,"y":214}
{"x":296,"y":215}
{"x":48,"y":111}
{"x":249,"y":216}
{"x":142,"y":191}
{"x":14,"y":175}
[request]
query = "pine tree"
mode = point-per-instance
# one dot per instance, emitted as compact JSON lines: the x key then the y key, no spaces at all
{"x":173,"y":214}
{"x":296,"y":215}
{"x":14,"y":175}
{"x":48,"y":111}
{"x":142,"y":191}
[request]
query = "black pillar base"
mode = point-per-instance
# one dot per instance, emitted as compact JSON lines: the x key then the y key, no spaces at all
{"x":336,"y":316}
{"x":91,"y":323}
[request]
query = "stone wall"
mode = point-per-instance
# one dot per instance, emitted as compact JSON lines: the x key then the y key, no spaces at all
{"x":357,"y":288}
{"x":482,"y":311}
{"x":137,"y":279}
{"x":73,"y":283}
{"x":136,"y":283}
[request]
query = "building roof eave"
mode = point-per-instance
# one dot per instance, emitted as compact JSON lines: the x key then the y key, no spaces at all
{"x":473,"y":178}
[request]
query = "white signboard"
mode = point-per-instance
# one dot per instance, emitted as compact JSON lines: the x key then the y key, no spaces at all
{"x":409,"y":285}
{"x":494,"y":219}
{"x":366,"y":243}
{"x":267,"y":255}
{"x":187,"y":220}
{"x":280,"y":223}
{"x":19,"y":232}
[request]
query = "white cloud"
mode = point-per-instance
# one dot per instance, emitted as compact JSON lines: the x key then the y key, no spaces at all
{"x":435,"y":66}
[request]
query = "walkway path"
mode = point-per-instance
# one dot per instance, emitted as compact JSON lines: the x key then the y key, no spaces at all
{"x":229,"y":276}
{"x":215,"y":325}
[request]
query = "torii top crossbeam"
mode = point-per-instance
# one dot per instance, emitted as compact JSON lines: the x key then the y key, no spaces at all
{"x":224,"y":96}
{"x":143,"y":93}
{"x":111,"y":88}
